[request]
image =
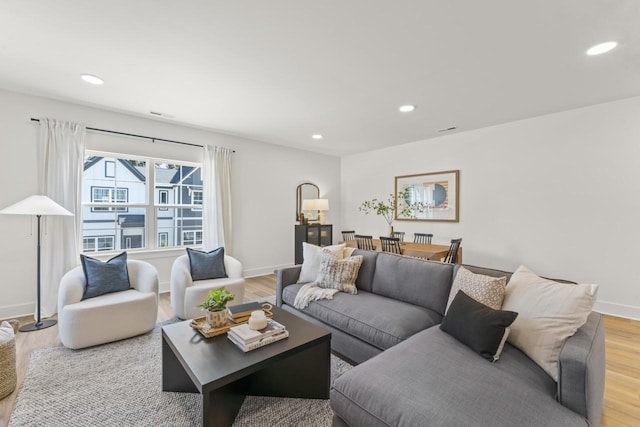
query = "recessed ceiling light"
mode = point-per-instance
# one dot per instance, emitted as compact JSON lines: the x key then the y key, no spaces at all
{"x":90,"y":78}
{"x":601,"y":48}
{"x":317,"y":136}
{"x":406,"y":108}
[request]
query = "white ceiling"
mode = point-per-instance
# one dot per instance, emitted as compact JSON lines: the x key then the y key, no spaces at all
{"x":281,"y":70}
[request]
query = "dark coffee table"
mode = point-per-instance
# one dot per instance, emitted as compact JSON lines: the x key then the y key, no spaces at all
{"x":297,"y":366}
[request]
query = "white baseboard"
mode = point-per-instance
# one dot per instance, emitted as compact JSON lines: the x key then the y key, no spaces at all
{"x":613,"y":309}
{"x":164,"y":287}
{"x":618,"y":310}
{"x":17,"y":310}
{"x":253,"y":272}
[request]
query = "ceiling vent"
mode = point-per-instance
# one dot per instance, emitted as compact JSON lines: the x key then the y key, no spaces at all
{"x":449,"y":129}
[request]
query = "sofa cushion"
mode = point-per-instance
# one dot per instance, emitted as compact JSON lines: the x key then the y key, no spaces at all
{"x":431,"y":379}
{"x":379,"y":321}
{"x":367,"y":269}
{"x":481,"y":328}
{"x":413,"y":280}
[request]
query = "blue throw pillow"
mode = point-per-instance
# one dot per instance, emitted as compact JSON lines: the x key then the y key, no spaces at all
{"x":105,"y":277}
{"x":207,"y":265}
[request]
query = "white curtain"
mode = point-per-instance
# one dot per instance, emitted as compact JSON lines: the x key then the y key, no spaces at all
{"x":61,"y":159}
{"x":216,"y":209}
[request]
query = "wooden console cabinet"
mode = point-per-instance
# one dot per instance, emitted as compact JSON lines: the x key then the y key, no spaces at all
{"x":316,"y":234}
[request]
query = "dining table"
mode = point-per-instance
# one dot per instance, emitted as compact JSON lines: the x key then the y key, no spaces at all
{"x":419,"y":250}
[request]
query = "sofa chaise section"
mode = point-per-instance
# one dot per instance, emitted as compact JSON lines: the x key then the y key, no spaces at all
{"x":431,"y":379}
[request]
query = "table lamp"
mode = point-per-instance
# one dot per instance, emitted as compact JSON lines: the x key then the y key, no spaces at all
{"x":322,"y":205}
{"x":38,"y":206}
{"x":309,"y":205}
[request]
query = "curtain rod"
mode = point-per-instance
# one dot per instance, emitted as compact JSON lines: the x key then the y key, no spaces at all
{"x":137,"y":136}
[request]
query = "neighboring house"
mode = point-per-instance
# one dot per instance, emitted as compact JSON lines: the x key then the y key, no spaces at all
{"x":108,"y":182}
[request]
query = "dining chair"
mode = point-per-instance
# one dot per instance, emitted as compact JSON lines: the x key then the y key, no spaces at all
{"x":365,"y":242}
{"x":452,"y":253}
{"x":399,"y":235}
{"x":390,"y":244}
{"x":348,"y":235}
{"x":424,"y":238}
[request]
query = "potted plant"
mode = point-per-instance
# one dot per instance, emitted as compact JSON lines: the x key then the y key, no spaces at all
{"x":216,"y":306}
{"x":387,"y":208}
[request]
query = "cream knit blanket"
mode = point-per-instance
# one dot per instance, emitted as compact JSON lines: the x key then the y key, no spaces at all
{"x":310,"y":292}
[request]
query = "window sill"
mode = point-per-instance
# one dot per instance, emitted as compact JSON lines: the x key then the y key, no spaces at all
{"x":143,"y":253}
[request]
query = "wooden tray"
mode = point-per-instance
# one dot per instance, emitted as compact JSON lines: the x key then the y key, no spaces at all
{"x":200,"y":324}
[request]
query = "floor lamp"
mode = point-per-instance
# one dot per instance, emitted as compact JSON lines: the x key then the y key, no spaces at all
{"x":39,"y":206}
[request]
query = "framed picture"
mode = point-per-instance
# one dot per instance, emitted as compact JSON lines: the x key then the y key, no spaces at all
{"x":432,"y":196}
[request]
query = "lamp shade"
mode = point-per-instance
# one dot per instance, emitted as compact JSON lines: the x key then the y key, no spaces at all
{"x":36,"y":205}
{"x":322,"y":204}
{"x":309,"y":205}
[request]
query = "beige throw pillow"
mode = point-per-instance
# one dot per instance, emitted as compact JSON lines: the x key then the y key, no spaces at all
{"x":549,"y":312}
{"x":340,"y":274}
{"x":486,"y":290}
{"x":311,"y":259}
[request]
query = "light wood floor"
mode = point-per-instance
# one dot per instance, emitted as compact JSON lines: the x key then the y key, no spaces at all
{"x":622,"y":388}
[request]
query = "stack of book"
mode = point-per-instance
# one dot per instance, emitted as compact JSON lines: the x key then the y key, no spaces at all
{"x":247,"y":339}
{"x":240,"y":313}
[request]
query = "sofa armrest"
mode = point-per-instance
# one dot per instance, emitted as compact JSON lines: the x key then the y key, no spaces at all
{"x":582,"y":370}
{"x":233,"y":267}
{"x":71,"y":288}
{"x":143,"y":276}
{"x":285,"y":277}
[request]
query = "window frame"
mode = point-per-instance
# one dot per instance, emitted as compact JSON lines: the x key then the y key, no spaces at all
{"x":151,"y":236}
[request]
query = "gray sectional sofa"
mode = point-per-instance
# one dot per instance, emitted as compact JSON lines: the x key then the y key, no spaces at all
{"x":411,"y":373}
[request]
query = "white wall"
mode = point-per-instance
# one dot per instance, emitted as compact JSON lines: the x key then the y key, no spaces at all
{"x":264,"y":181}
{"x":558,"y":193}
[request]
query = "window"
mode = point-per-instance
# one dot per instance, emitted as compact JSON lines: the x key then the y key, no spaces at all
{"x":196,"y":197}
{"x":97,"y":243}
{"x":184,"y":213}
{"x":109,"y":195}
{"x":136,"y":203}
{"x":163,"y":239}
{"x":109,"y":169}
{"x":191,"y":237}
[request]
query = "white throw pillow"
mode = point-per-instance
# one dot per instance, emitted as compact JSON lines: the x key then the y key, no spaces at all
{"x":311,"y":255}
{"x":548,"y":313}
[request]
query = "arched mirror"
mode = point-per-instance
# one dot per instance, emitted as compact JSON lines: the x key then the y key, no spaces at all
{"x":304,"y":191}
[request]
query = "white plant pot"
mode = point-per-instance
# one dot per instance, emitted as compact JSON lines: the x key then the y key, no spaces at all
{"x":217,"y":319}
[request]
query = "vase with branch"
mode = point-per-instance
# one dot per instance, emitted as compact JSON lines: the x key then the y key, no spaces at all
{"x":391,"y":208}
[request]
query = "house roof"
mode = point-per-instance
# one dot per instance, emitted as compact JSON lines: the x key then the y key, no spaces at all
{"x":93,"y":160}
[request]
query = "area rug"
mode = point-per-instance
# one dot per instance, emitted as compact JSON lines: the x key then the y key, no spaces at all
{"x":120,"y":384}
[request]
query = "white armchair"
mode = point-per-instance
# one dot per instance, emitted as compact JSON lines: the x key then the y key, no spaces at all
{"x":108,"y":317}
{"x":187,"y":294}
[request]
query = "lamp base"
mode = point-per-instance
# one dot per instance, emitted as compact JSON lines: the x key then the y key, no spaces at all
{"x":36,"y":326}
